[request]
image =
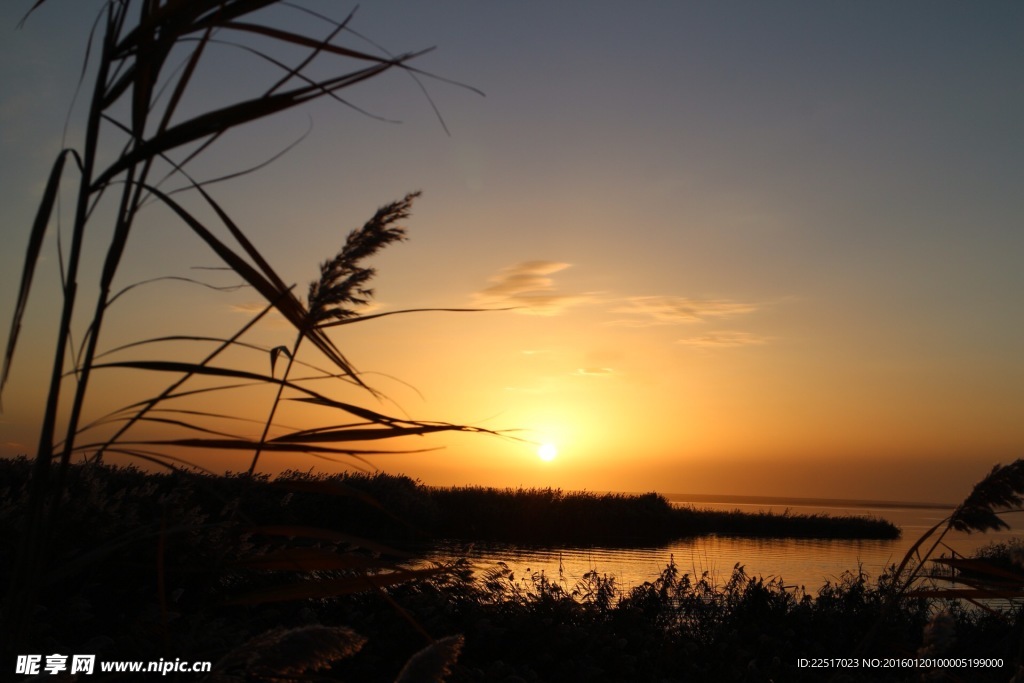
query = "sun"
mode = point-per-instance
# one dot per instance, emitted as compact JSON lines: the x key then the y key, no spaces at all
{"x":547,"y":452}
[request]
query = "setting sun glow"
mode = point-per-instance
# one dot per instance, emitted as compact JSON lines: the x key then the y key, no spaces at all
{"x":547,"y":452}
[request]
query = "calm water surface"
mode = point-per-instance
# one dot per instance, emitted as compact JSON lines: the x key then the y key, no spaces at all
{"x":799,"y":562}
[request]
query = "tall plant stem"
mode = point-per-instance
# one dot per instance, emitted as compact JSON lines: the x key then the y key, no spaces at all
{"x":131,"y":198}
{"x":277,"y":401}
{"x":25,"y":577}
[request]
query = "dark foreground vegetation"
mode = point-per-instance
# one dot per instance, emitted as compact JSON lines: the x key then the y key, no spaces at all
{"x":172,"y":566}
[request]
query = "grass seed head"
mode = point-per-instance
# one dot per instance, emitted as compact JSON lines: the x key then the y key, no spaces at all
{"x":342,"y":283}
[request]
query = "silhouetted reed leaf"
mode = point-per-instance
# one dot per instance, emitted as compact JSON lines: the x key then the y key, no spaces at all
{"x":328,"y":588}
{"x":274,"y":353}
{"x":328,"y":487}
{"x":965,"y":593}
{"x":915,"y":549}
{"x":319,"y":45}
{"x":265,"y":281}
{"x":350,"y":434}
{"x":232,"y":116}
{"x":35,"y":244}
{"x":433,"y":663}
{"x":286,"y":655}
{"x":330,"y":535}
{"x":249,"y":445}
{"x":309,"y":560}
{"x":973,"y":570}
{"x":373,"y":316}
{"x":1001,"y":490}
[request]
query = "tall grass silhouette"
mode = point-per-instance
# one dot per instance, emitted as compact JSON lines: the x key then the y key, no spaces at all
{"x":999,"y":493}
{"x":145,"y":56}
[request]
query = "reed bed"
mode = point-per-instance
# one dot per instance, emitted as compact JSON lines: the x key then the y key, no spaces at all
{"x":554,"y":516}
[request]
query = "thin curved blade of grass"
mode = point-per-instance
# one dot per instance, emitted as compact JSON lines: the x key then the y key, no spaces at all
{"x":193,"y":184}
{"x":188,"y":16}
{"x":324,"y":374}
{"x":168,"y":392}
{"x":174,"y":278}
{"x":182,"y":337}
{"x":318,"y":45}
{"x":330,"y":487}
{"x":271,"y":288}
{"x":217,"y":121}
{"x":155,"y":457}
{"x":286,"y":302}
{"x":365,"y":413}
{"x":917,"y":544}
{"x":274,"y":353}
{"x":150,"y":55}
{"x":73,"y":566}
{"x":188,"y":425}
{"x":208,"y":370}
{"x":281,"y":65}
{"x":125,"y":415}
{"x":248,"y":445}
{"x":173,"y":21}
{"x":314,"y":52}
{"x":309,"y":560}
{"x":35,"y":244}
{"x":29,"y":13}
{"x":361,"y":318}
{"x":329,"y":588}
{"x":170,"y":395}
{"x":967,"y":593}
{"x":333,"y":487}
{"x":186,"y":77}
{"x":350,"y":434}
{"x":331,"y":535}
{"x":267,"y":283}
{"x":983,"y":568}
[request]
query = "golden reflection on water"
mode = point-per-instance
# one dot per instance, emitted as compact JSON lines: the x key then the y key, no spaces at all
{"x":807,"y":563}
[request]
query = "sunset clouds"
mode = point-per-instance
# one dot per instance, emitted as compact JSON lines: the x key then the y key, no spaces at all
{"x":672,"y":310}
{"x":527,"y":285}
{"x":723,"y":340}
{"x":530,"y":286}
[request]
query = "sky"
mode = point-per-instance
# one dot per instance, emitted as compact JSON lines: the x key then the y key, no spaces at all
{"x":755,"y":248}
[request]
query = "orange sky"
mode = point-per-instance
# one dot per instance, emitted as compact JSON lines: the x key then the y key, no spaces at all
{"x":755,"y":249}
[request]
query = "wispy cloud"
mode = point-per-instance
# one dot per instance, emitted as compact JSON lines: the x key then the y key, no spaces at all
{"x":249,"y":308}
{"x":724,"y":340}
{"x":527,"y":285}
{"x":594,"y":372}
{"x":672,"y":310}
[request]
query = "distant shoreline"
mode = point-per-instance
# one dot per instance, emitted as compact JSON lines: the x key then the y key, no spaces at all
{"x":725,"y":499}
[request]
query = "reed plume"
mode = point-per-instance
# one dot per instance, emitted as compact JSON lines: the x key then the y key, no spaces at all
{"x":1001,"y":491}
{"x":286,"y":655}
{"x":342,"y":282}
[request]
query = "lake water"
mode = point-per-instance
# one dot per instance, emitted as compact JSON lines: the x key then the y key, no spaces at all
{"x":799,"y":562}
